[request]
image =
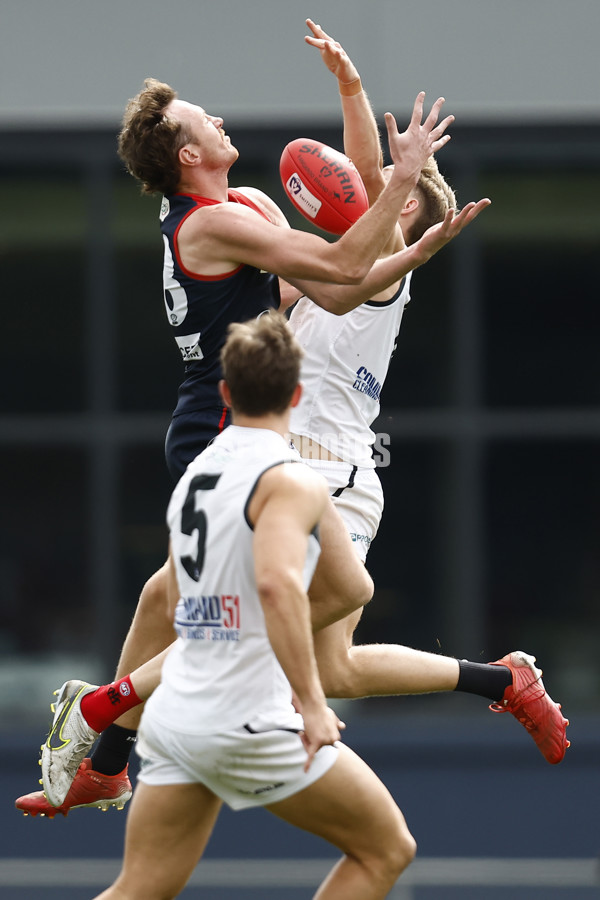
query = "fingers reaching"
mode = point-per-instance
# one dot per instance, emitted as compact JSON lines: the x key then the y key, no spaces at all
{"x":476,"y":208}
{"x":468,"y":213}
{"x":332,"y":53}
{"x":452,"y":224}
{"x":391,"y":125}
{"x":434,"y":113}
{"x":318,"y":31}
{"x":417,"y":113}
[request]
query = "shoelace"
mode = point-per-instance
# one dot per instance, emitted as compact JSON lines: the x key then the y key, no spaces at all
{"x":515,"y":705}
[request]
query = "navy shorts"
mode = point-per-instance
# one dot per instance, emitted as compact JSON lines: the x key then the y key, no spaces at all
{"x":189,"y":434}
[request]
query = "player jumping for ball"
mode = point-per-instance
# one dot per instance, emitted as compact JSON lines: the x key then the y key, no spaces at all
{"x":369,"y":670}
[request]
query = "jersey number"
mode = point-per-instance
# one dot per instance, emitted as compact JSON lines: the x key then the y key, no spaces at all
{"x":193,"y":519}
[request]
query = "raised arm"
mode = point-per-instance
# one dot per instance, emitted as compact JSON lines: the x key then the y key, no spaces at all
{"x":225,"y":235}
{"x":361,"y":134}
{"x":340,"y":299}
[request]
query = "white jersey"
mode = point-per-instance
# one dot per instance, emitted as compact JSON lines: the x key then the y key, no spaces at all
{"x":222,"y":670}
{"x":345,"y":365}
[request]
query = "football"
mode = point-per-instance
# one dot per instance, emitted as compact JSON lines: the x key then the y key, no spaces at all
{"x":323,"y":184}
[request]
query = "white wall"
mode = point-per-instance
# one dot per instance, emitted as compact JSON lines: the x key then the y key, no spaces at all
{"x":77,"y":61}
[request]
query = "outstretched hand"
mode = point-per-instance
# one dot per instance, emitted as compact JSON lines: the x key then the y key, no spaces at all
{"x":411,"y":149}
{"x":332,"y":53}
{"x":439,"y":235}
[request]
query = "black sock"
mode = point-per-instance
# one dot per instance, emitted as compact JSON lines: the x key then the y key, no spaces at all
{"x":111,"y":753}
{"x":483,"y":679}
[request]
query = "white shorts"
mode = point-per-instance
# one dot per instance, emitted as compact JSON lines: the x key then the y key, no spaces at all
{"x":358,"y":497}
{"x":243,"y":767}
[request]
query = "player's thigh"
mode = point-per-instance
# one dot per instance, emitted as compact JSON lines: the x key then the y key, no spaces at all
{"x":351,"y":808}
{"x":361,"y":508}
{"x":332,"y":645}
{"x":168,"y":827}
{"x":341,"y":583}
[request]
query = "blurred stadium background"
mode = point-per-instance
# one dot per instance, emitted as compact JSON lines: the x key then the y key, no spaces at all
{"x":491,"y":532}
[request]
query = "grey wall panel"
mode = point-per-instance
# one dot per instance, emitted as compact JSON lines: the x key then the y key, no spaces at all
{"x":77,"y":61}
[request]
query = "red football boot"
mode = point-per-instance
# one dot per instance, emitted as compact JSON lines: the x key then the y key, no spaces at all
{"x":89,"y":788}
{"x":526,"y":698}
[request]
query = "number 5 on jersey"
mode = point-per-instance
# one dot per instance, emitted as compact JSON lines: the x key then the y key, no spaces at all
{"x":193,"y":519}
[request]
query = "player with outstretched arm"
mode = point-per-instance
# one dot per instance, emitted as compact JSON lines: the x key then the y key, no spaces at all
{"x":221,"y":726}
{"x":223,"y":252}
{"x":513,"y":684}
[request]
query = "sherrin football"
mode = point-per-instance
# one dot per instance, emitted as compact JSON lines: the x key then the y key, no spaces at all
{"x":323,"y":184}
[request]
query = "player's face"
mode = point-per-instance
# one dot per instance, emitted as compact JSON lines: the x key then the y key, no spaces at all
{"x":207,"y":130}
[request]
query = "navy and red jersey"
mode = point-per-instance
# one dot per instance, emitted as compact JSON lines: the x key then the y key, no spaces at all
{"x":200,"y":308}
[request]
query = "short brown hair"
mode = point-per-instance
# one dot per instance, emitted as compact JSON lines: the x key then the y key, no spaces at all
{"x":149,"y":142}
{"x":261,"y":364}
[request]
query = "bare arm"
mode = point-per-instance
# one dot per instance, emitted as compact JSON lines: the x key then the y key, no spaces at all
{"x":361,"y":134}
{"x":340,"y":299}
{"x":285,"y":508}
{"x":216,"y":239}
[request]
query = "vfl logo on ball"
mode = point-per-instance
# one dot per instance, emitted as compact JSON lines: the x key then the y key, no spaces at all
{"x":294,"y":185}
{"x":302,"y":197}
{"x":323,"y":184}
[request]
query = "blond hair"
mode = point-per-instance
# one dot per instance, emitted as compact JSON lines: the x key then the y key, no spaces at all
{"x":435,"y":197}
